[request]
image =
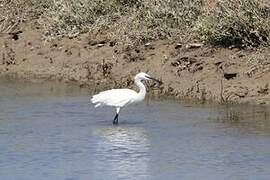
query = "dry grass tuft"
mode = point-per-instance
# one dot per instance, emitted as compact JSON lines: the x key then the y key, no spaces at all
{"x":130,"y":22}
{"x":13,"y":13}
{"x":236,"y":22}
{"x":223,"y":22}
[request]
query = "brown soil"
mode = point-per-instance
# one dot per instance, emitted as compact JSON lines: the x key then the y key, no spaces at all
{"x":192,"y":71}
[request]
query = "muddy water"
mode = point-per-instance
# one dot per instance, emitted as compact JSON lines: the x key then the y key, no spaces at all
{"x":50,"y":131}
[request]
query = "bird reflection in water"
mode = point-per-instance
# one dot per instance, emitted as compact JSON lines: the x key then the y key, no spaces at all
{"x":123,"y":150}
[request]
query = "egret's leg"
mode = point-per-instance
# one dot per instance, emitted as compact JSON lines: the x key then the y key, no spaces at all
{"x":115,"y":120}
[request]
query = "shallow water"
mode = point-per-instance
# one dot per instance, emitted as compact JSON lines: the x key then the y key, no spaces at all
{"x":50,"y":131}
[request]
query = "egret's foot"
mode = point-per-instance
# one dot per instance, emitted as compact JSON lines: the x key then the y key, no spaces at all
{"x":115,"y":120}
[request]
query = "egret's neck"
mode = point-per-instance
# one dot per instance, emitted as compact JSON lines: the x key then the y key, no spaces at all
{"x":141,"y":86}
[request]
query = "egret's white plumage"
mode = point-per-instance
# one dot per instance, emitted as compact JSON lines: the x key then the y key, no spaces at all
{"x":121,"y":97}
{"x":114,"y":97}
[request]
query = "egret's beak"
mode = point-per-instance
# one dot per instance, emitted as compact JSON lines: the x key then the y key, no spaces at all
{"x":158,"y":81}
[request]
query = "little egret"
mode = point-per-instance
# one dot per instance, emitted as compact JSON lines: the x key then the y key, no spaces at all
{"x":122,"y":97}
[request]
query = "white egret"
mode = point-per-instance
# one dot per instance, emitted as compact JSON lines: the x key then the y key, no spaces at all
{"x":122,"y":97}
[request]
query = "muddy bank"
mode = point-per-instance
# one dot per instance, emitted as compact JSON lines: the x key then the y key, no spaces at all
{"x":190,"y":71}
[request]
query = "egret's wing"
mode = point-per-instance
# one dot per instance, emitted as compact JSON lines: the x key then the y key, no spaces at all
{"x":114,"y":97}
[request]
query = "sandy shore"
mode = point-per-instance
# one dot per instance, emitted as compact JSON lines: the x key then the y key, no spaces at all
{"x":190,"y":71}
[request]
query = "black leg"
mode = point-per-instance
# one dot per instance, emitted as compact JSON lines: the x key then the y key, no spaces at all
{"x":115,"y":120}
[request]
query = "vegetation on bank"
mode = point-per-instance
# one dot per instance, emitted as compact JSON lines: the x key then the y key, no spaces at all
{"x":218,"y":22}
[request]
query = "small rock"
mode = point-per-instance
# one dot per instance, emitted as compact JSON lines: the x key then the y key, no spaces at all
{"x":229,"y":76}
{"x":177,"y":46}
{"x":194,"y":45}
{"x":100,"y":45}
{"x":54,"y":45}
{"x":147,"y":44}
{"x":232,"y":47}
{"x":165,"y":57}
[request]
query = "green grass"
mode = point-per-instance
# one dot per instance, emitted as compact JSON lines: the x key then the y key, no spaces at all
{"x":229,"y":22}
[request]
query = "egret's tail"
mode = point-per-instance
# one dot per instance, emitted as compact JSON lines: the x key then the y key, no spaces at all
{"x":96,"y":99}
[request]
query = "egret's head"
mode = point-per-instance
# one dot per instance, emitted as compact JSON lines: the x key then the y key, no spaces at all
{"x":143,"y":76}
